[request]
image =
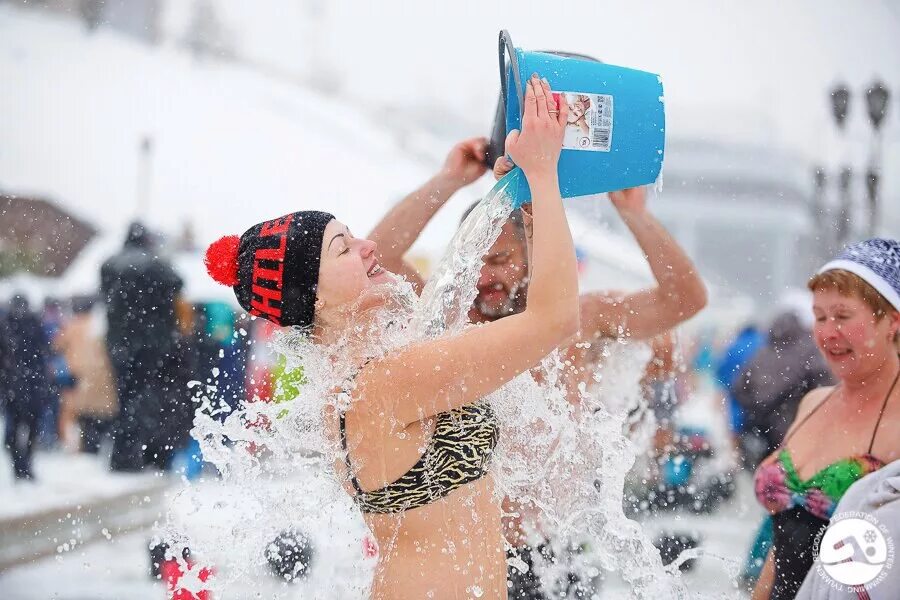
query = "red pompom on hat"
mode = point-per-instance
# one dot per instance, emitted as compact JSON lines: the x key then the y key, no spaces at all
{"x":222,"y":260}
{"x":273,"y":267}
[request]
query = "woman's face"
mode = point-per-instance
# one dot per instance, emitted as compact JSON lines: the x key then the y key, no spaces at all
{"x":348,"y":270}
{"x":852,"y":341}
{"x":576,"y":110}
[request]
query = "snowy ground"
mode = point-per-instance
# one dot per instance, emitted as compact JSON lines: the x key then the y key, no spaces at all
{"x":64,"y":480}
{"x":117,"y":568}
{"x":111,"y":570}
{"x":725,"y":538}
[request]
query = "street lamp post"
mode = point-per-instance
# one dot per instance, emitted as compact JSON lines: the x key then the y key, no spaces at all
{"x":840,"y":104}
{"x":821,"y":239}
{"x":144,"y":176}
{"x":873,"y":176}
{"x":845,"y":210}
{"x":818,"y":203}
{"x":840,"y":230}
{"x":877,"y":97}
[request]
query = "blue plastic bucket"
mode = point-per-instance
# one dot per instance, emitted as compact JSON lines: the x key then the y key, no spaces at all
{"x":619,"y":140}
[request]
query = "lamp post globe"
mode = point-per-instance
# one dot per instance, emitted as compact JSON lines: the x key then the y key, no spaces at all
{"x":877,"y":96}
{"x":840,"y":103}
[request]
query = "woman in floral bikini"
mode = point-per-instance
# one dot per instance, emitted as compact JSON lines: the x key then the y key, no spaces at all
{"x":844,"y":432}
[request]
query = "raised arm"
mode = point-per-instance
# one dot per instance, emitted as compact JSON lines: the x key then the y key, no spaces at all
{"x":402,"y":225}
{"x":678,"y":295}
{"x":439,"y":375}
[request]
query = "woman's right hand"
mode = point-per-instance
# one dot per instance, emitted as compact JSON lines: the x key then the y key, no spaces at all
{"x":474,"y":363}
{"x":502,"y":166}
{"x":537,"y":147}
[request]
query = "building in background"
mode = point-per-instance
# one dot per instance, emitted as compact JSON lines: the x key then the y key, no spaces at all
{"x":39,"y":236}
{"x":741,"y":211}
{"x":137,"y":18}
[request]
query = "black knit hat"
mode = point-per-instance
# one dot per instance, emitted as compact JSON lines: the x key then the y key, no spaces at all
{"x":274,"y":266}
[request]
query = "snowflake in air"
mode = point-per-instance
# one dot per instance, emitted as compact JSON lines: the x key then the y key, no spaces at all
{"x":870,"y":536}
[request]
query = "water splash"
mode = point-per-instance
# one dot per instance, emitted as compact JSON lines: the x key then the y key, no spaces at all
{"x":563,"y":449}
{"x":451,"y":290}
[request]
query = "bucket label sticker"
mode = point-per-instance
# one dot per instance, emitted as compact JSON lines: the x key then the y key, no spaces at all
{"x":590,"y":122}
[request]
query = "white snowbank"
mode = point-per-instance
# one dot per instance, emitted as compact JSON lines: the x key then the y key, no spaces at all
{"x":66,"y":480}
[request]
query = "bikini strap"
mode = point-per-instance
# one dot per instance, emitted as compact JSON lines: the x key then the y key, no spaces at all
{"x":353,"y":479}
{"x":343,"y":426}
{"x":808,"y":415}
{"x":881,"y":413}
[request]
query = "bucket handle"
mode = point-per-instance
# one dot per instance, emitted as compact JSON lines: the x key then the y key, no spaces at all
{"x":506,"y":47}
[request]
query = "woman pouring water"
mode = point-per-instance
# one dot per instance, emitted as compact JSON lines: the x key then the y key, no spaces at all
{"x":417,"y":438}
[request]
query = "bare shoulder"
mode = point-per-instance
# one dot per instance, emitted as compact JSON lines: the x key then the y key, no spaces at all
{"x":384,"y":384}
{"x":811,"y":401}
{"x":366,"y":386}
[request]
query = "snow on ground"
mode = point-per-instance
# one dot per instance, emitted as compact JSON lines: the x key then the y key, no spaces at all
{"x":725,"y":538}
{"x":114,"y":569}
{"x":66,"y":480}
{"x":104,"y":570}
{"x":107,"y":568}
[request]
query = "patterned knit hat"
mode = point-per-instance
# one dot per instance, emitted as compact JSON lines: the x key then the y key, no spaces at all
{"x":875,"y":261}
{"x":274,"y":266}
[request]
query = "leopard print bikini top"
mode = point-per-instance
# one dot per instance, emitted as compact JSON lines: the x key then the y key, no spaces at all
{"x":459,"y":452}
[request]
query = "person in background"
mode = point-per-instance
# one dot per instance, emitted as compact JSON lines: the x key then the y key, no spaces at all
{"x":771,"y":385}
{"x":220,"y":354}
{"x":91,"y":403}
{"x":840,"y":433}
{"x":139,"y":290}
{"x":26,"y":383}
{"x":768,"y":392}
{"x":727,"y":368}
{"x":169,"y":415}
{"x":6,"y":360}
{"x":659,"y":382}
{"x":60,"y":376}
{"x":230,"y":352}
{"x":502,"y":288}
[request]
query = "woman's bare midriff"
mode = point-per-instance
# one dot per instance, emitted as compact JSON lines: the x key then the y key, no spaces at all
{"x":451,"y":548}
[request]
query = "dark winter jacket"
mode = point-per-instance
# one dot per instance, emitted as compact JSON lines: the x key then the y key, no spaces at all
{"x":776,"y":379}
{"x":26,"y":347}
{"x":139,"y":289}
